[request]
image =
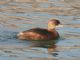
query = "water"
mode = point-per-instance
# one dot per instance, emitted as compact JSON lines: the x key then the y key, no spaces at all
{"x":18,"y":16}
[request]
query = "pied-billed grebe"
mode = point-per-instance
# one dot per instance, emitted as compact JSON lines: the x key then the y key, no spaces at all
{"x":40,"y":33}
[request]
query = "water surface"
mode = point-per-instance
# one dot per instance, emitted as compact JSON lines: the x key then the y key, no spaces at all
{"x":19,"y":16}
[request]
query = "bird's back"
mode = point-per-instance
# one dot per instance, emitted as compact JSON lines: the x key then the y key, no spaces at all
{"x":39,"y":31}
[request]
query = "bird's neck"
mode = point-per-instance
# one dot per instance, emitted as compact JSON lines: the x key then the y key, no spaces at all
{"x":51,"y":30}
{"x":54,"y":32}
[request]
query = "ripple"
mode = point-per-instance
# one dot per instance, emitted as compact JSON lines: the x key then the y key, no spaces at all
{"x":20,"y":15}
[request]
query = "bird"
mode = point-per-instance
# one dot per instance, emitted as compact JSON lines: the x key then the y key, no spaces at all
{"x":41,"y":34}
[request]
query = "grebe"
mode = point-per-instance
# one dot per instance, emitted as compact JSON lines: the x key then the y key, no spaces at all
{"x":41,"y":33}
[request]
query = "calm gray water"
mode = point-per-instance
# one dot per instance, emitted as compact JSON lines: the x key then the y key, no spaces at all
{"x":17,"y":16}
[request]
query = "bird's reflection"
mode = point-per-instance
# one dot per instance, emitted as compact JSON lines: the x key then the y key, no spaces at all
{"x":50,"y":44}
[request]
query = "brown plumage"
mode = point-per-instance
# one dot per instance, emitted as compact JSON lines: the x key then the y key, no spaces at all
{"x":40,"y":33}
